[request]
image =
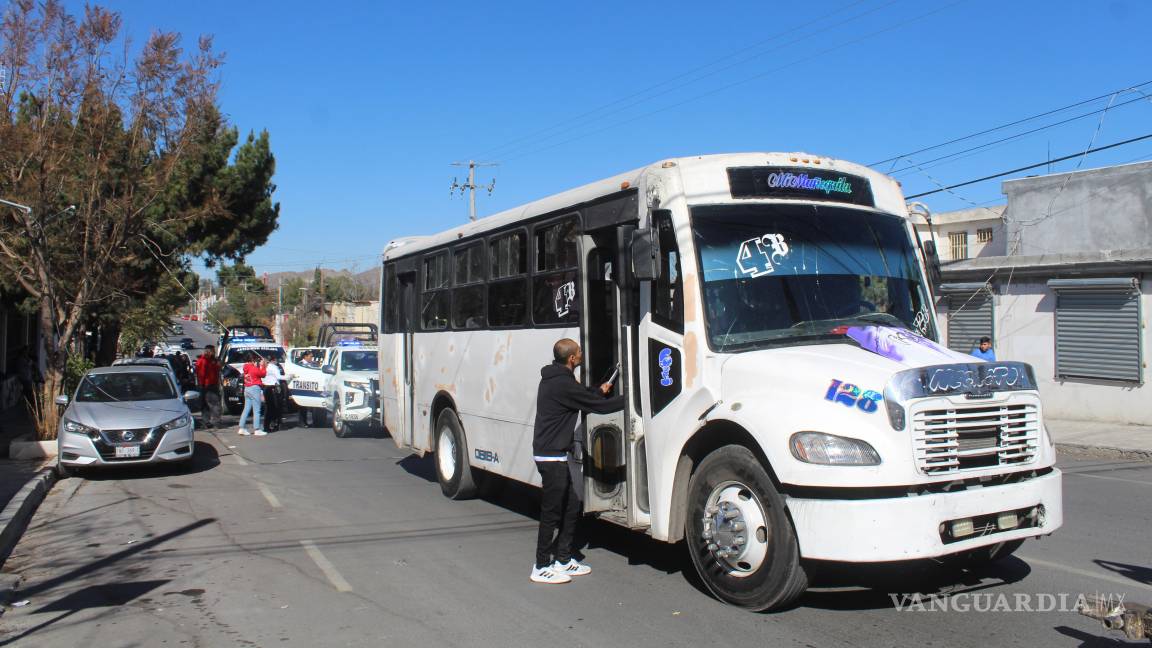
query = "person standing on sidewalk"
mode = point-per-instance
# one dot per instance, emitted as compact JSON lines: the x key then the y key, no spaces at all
{"x":559,"y":402}
{"x":254,"y":371}
{"x":208,"y":377}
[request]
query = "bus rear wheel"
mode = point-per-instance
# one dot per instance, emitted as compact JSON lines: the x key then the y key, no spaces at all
{"x":452,"y":468}
{"x":738,"y":534}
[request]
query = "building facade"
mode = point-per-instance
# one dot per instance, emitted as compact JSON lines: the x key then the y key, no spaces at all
{"x":1067,"y":289}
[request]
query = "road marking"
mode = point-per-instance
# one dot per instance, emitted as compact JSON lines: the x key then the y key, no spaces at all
{"x":1084,"y":572}
{"x":328,"y":568}
{"x":1119,"y":479}
{"x":272,"y":500}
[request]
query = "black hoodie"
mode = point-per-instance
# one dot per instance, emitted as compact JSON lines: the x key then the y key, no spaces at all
{"x":558,"y":402}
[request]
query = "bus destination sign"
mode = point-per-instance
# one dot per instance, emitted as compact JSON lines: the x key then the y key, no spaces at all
{"x":799,"y":183}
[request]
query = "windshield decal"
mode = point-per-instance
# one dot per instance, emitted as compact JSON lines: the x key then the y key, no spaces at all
{"x":922,"y":321}
{"x":898,"y":344}
{"x":665,"y":362}
{"x":852,"y":396}
{"x":563,"y":297}
{"x":761,"y":255}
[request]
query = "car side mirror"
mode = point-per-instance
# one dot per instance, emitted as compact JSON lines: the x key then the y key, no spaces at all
{"x":329,"y":369}
{"x":62,"y":399}
{"x":645,"y":249}
{"x":191,"y":396}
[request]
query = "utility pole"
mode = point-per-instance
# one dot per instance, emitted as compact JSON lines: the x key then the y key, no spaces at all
{"x":470,"y":186}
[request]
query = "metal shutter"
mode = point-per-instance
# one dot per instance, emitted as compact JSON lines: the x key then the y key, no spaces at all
{"x":1098,"y":334}
{"x":969,"y":319}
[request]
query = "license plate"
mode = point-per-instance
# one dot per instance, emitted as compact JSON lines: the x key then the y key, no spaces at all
{"x":306,"y":385}
{"x":127,"y":452}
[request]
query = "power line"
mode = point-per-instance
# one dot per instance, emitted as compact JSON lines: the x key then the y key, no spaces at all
{"x":1133,"y":88}
{"x":923,"y":165}
{"x":518,"y":143}
{"x":1030,"y":166}
{"x":745,"y":80}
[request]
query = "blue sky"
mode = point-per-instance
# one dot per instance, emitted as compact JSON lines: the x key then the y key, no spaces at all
{"x":367,"y":104}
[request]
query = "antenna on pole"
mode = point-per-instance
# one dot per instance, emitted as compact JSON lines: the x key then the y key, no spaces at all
{"x":470,"y":185}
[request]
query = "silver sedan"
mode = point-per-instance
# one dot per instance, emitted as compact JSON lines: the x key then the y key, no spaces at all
{"x":129,"y":414}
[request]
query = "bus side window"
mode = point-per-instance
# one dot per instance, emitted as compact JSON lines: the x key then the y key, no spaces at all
{"x":554,"y":286}
{"x":668,"y":288}
{"x":508,"y":281}
{"x":434,"y":304}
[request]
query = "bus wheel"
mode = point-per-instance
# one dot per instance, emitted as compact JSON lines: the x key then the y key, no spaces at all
{"x":452,"y":468}
{"x":738,"y":533}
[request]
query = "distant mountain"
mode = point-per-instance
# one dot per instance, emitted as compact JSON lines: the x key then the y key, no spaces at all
{"x":370,"y":277}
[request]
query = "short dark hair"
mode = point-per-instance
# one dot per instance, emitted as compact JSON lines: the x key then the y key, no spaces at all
{"x":564,"y":349}
{"x":985,"y":338}
{"x":209,"y":347}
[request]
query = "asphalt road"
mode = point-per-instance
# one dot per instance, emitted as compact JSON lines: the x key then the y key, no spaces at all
{"x":303,"y":539}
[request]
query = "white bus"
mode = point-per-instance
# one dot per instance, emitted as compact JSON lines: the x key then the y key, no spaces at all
{"x":776,"y":334}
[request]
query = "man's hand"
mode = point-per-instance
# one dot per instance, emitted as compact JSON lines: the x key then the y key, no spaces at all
{"x":606,"y":388}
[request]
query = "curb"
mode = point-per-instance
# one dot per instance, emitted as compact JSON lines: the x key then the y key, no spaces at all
{"x":1103,"y":452}
{"x":14,"y":519}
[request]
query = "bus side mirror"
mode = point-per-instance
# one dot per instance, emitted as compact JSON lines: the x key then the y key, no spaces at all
{"x":932,"y":260}
{"x":645,"y":254}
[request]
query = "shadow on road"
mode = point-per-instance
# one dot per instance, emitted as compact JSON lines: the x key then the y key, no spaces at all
{"x":1134,"y":572}
{"x":204,"y":458}
{"x":850,"y":586}
{"x":1089,"y":640}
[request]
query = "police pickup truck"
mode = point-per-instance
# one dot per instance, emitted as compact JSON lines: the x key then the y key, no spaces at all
{"x":311,"y":388}
{"x":236,"y":344}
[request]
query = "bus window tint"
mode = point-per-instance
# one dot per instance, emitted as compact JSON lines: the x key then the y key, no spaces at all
{"x":554,"y":295}
{"x":508,"y":287}
{"x":434,"y":301}
{"x":468,"y":297}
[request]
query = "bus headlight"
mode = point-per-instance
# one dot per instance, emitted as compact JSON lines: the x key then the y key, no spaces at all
{"x":832,"y":450}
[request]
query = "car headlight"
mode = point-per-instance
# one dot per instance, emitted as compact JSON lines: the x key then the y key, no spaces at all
{"x":80,"y":428}
{"x":179,"y":421}
{"x":832,"y":450}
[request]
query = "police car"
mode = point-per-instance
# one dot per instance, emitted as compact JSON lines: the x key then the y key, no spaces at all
{"x":309,"y":387}
{"x":234,"y":352}
{"x":350,"y":398}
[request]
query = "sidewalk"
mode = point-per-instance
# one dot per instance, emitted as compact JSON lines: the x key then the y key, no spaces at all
{"x":1116,"y":439}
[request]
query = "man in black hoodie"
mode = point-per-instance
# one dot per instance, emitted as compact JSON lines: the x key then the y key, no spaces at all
{"x":559,"y":402}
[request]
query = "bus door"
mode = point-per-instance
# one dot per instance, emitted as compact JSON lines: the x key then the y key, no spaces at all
{"x":406,"y":326}
{"x":605,"y":435}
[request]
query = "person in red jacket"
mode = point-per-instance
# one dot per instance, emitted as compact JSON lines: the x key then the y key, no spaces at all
{"x":254,"y":371}
{"x":208,"y":377}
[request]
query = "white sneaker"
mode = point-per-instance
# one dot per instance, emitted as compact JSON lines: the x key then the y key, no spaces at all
{"x":260,"y":433}
{"x":548,"y":575}
{"x":244,"y":432}
{"x":572,"y":568}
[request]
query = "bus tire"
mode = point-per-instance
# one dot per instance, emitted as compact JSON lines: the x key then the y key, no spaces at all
{"x":452,"y":468}
{"x":738,"y":533}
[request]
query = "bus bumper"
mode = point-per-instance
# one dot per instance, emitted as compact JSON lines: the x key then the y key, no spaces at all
{"x":926,"y":526}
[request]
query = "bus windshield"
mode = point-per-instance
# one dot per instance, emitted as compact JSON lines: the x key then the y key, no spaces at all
{"x":788,"y":273}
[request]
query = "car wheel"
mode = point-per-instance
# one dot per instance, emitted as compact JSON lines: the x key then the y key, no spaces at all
{"x":452,"y":468}
{"x":738,"y":533}
{"x":341,"y":428}
{"x":64,"y":471}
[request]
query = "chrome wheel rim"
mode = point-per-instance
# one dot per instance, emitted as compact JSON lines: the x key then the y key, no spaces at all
{"x":735,"y":529}
{"x":446,"y":454}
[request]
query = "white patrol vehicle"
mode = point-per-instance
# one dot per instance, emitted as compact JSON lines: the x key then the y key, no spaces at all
{"x":308,"y":388}
{"x":351,"y":369}
{"x":233,"y":357}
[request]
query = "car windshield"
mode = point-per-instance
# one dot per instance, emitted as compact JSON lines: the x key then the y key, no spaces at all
{"x":786,"y":273}
{"x":358,"y":361}
{"x":239,"y":356}
{"x":136,"y":386}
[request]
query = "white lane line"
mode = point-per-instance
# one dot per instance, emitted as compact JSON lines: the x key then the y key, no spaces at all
{"x":328,"y":568}
{"x":1086,"y":573}
{"x":272,"y":500}
{"x":1119,"y":479}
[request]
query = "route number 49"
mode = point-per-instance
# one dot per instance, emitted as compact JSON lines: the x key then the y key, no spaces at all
{"x":760,"y":255}
{"x":848,"y":394}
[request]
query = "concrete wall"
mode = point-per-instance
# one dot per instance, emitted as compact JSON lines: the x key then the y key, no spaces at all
{"x":360,"y":312}
{"x":968,"y":221}
{"x":1099,"y":209}
{"x":1025,"y":324}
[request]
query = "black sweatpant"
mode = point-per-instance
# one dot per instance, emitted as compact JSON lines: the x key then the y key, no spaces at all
{"x":273,"y":409}
{"x":559,"y":511}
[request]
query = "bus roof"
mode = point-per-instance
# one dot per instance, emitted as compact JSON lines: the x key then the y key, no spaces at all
{"x":405,"y":246}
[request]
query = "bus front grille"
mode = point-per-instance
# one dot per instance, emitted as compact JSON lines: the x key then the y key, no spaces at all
{"x":962,"y":438}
